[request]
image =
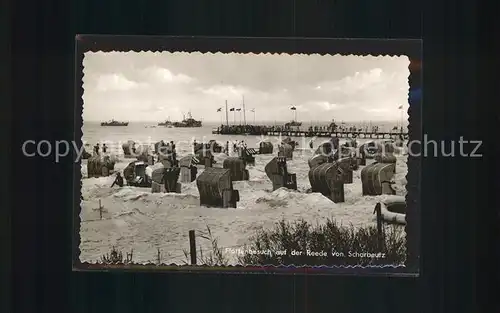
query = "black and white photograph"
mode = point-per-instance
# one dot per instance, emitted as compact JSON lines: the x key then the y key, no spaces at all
{"x":225,"y":159}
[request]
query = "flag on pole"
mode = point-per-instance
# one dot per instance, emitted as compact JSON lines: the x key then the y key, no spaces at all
{"x":219,"y":109}
{"x":231,"y":109}
{"x":293,"y":108}
{"x":238,"y":109}
{"x":252,"y":110}
{"x":400,"y":107}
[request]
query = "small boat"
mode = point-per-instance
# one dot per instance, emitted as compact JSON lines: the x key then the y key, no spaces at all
{"x":114,"y":123}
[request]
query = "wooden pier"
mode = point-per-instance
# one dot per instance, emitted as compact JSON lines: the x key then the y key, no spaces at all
{"x":302,"y":133}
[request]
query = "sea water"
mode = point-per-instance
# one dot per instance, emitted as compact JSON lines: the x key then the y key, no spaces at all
{"x":149,"y":133}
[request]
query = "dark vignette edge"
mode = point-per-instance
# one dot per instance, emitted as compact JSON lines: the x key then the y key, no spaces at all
{"x":411,"y":48}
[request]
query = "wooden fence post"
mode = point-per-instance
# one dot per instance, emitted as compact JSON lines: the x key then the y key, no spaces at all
{"x":192,"y":247}
{"x":158,"y":256}
{"x":380,"y":231}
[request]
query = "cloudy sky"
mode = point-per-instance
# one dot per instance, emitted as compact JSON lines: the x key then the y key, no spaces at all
{"x":149,"y":86}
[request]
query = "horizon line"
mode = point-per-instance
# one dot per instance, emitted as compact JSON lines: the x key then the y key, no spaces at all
{"x":261,"y":121}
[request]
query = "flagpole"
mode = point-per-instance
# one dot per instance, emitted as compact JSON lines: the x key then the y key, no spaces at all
{"x":244,"y":112}
{"x":227,"y":120}
{"x":401,"y":109}
{"x":254,"y":116}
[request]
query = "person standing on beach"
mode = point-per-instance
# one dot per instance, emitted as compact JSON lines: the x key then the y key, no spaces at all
{"x":168,"y":151}
{"x":96,"y":149}
{"x":311,"y":144}
{"x":227,"y":147}
{"x":174,"y":154}
{"x":172,"y":145}
{"x":104,"y":148}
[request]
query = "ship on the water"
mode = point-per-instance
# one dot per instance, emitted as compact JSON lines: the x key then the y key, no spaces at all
{"x":188,"y":122}
{"x":293,"y":124}
{"x":167,"y":123}
{"x":114,"y":123}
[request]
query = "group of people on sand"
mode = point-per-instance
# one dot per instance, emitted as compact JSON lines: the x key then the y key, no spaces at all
{"x":240,"y":144}
{"x":170,"y":146}
{"x":236,"y":145}
{"x":97,"y":149}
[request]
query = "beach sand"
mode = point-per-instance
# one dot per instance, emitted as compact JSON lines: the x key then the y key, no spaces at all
{"x":134,"y":218}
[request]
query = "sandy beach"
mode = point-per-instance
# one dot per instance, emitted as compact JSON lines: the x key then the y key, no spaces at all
{"x":134,"y":218}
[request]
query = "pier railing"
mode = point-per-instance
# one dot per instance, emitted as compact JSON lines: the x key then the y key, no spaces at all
{"x":311,"y":133}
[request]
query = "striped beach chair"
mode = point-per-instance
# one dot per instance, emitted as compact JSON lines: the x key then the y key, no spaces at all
{"x":196,"y":160}
{"x":252,"y":151}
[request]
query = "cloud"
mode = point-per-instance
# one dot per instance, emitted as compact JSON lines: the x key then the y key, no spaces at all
{"x":376,"y":92}
{"x":303,"y":108}
{"x":150,"y":108}
{"x":378,"y":111}
{"x":373,"y":78}
{"x":164,"y":75}
{"x":224,"y":91}
{"x":150,"y":86}
{"x":325,"y":105}
{"x":110,"y":82}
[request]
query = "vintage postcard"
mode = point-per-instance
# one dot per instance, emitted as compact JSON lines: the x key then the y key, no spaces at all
{"x":244,"y":160}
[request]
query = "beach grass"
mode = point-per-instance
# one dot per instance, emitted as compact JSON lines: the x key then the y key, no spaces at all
{"x":327,"y":244}
{"x":116,"y":257}
{"x":214,"y":257}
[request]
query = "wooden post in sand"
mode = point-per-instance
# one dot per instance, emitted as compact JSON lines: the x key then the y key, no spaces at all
{"x":100,"y":209}
{"x":192,"y":247}
{"x":380,"y":231}
{"x":158,"y":256}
